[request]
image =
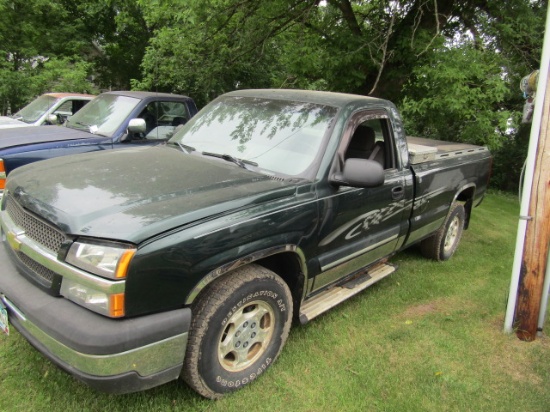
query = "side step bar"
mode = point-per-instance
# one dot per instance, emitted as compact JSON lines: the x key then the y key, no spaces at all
{"x":326,"y":300}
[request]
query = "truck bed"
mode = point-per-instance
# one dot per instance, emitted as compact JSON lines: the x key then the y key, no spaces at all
{"x":423,"y":150}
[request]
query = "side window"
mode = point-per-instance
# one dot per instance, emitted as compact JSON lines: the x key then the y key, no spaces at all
{"x":173,"y":113}
{"x":163,"y":118}
{"x":64,"y":111}
{"x":371,"y":140}
{"x":65,"y":108}
{"x":78,"y":104}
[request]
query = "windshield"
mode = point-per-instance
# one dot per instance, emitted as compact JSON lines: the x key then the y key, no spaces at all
{"x":279,"y":136}
{"x":35,"y":109}
{"x":103,"y":115}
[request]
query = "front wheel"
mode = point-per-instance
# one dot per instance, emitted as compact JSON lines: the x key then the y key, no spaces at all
{"x":240,"y":324}
{"x":443,"y":243}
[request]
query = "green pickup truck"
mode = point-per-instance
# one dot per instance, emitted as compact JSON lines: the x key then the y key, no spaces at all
{"x":191,"y":259}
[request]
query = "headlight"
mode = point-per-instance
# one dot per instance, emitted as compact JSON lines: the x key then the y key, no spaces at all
{"x":108,"y":304}
{"x":107,"y":260}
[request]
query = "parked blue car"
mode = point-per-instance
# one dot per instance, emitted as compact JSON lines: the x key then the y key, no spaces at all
{"x":112,"y":120}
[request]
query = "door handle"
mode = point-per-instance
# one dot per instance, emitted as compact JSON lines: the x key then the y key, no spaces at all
{"x":398,"y":192}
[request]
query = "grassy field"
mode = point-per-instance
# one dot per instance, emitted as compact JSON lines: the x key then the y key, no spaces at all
{"x":428,"y":338}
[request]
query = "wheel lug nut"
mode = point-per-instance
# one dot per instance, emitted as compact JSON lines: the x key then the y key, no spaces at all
{"x":245,"y":325}
{"x":253,"y":335}
{"x":237,"y":334}
{"x":237,"y":344}
{"x":253,"y":325}
{"x":245,"y":344}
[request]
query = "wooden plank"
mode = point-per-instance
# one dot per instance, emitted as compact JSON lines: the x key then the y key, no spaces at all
{"x":537,"y":237}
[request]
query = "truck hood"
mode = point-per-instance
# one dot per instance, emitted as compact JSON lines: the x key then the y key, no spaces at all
{"x":136,"y":193}
{"x":8,"y":123}
{"x":20,"y":136}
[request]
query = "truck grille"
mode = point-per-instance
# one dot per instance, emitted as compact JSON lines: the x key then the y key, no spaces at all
{"x":41,"y":233}
{"x":34,"y":228}
{"x":42,"y":272}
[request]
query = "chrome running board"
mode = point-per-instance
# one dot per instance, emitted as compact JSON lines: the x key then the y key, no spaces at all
{"x":326,"y":300}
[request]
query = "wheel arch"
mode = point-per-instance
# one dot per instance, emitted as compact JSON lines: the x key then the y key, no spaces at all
{"x":287,"y":261}
{"x":466,"y":195}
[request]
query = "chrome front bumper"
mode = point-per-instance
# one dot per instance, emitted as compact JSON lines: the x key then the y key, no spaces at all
{"x":112,"y":355}
{"x":147,"y":360}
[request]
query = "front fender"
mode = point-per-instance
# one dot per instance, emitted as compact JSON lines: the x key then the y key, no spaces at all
{"x":246,"y":260}
{"x":169,"y":271}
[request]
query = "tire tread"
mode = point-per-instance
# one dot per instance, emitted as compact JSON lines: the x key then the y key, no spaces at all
{"x":204,"y":308}
{"x":432,"y":247}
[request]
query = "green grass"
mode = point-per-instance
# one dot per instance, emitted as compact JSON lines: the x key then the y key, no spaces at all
{"x":428,"y":338}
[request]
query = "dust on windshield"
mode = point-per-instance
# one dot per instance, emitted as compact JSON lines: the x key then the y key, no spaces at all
{"x":279,"y":136}
{"x":35,"y":109}
{"x":103,"y":115}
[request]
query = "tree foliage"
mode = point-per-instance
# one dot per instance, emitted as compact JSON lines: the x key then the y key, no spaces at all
{"x":69,"y":46}
{"x":446,"y":101}
{"x":211,"y":47}
{"x":116,"y":35}
{"x":29,"y":34}
{"x":453,"y":67}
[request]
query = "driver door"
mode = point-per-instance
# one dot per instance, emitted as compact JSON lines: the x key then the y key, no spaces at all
{"x":363,"y":225}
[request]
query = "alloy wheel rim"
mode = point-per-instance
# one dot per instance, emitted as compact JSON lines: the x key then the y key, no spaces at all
{"x":452,"y":234}
{"x":246,"y":336}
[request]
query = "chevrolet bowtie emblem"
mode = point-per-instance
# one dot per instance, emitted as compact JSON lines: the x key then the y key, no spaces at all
{"x":14,"y":242}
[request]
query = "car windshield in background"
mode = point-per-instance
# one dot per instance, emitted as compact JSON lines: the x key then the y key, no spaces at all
{"x":279,"y":136}
{"x":103,"y":115}
{"x":32,"y":112}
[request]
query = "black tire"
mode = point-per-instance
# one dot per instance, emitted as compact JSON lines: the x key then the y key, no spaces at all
{"x":443,"y":243}
{"x":240,"y":324}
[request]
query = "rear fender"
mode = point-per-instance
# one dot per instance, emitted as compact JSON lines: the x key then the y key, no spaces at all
{"x":466,"y":195}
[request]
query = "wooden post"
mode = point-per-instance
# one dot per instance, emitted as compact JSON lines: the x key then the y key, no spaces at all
{"x":537,"y":236}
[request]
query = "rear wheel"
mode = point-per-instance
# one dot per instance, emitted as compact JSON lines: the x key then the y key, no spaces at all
{"x":443,"y":243}
{"x":240,"y":324}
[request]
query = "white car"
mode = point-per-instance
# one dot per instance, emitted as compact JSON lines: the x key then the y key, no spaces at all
{"x":50,"y":108}
{"x":7,"y":122}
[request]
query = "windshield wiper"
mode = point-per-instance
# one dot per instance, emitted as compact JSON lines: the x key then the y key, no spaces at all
{"x":239,"y":162}
{"x":184,"y":148}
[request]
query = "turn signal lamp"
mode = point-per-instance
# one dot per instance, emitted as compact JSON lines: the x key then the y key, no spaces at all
{"x":2,"y":175}
{"x":116,"y":309}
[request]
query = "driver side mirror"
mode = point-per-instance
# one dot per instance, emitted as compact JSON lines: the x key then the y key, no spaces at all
{"x":137,"y":125}
{"x":359,"y":173}
{"x":136,"y":128}
{"x":52,"y":119}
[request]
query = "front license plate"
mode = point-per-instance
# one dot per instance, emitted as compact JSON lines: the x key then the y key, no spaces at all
{"x":4,"y":325}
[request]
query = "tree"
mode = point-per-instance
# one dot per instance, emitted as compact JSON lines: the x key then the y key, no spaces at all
{"x":469,"y":89}
{"x":69,"y":46}
{"x":210,"y":47}
{"x":365,"y":47}
{"x":457,"y":96}
{"x":115,"y":37}
{"x":27,"y":36}
{"x":33,"y":35}
{"x":453,"y":67}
